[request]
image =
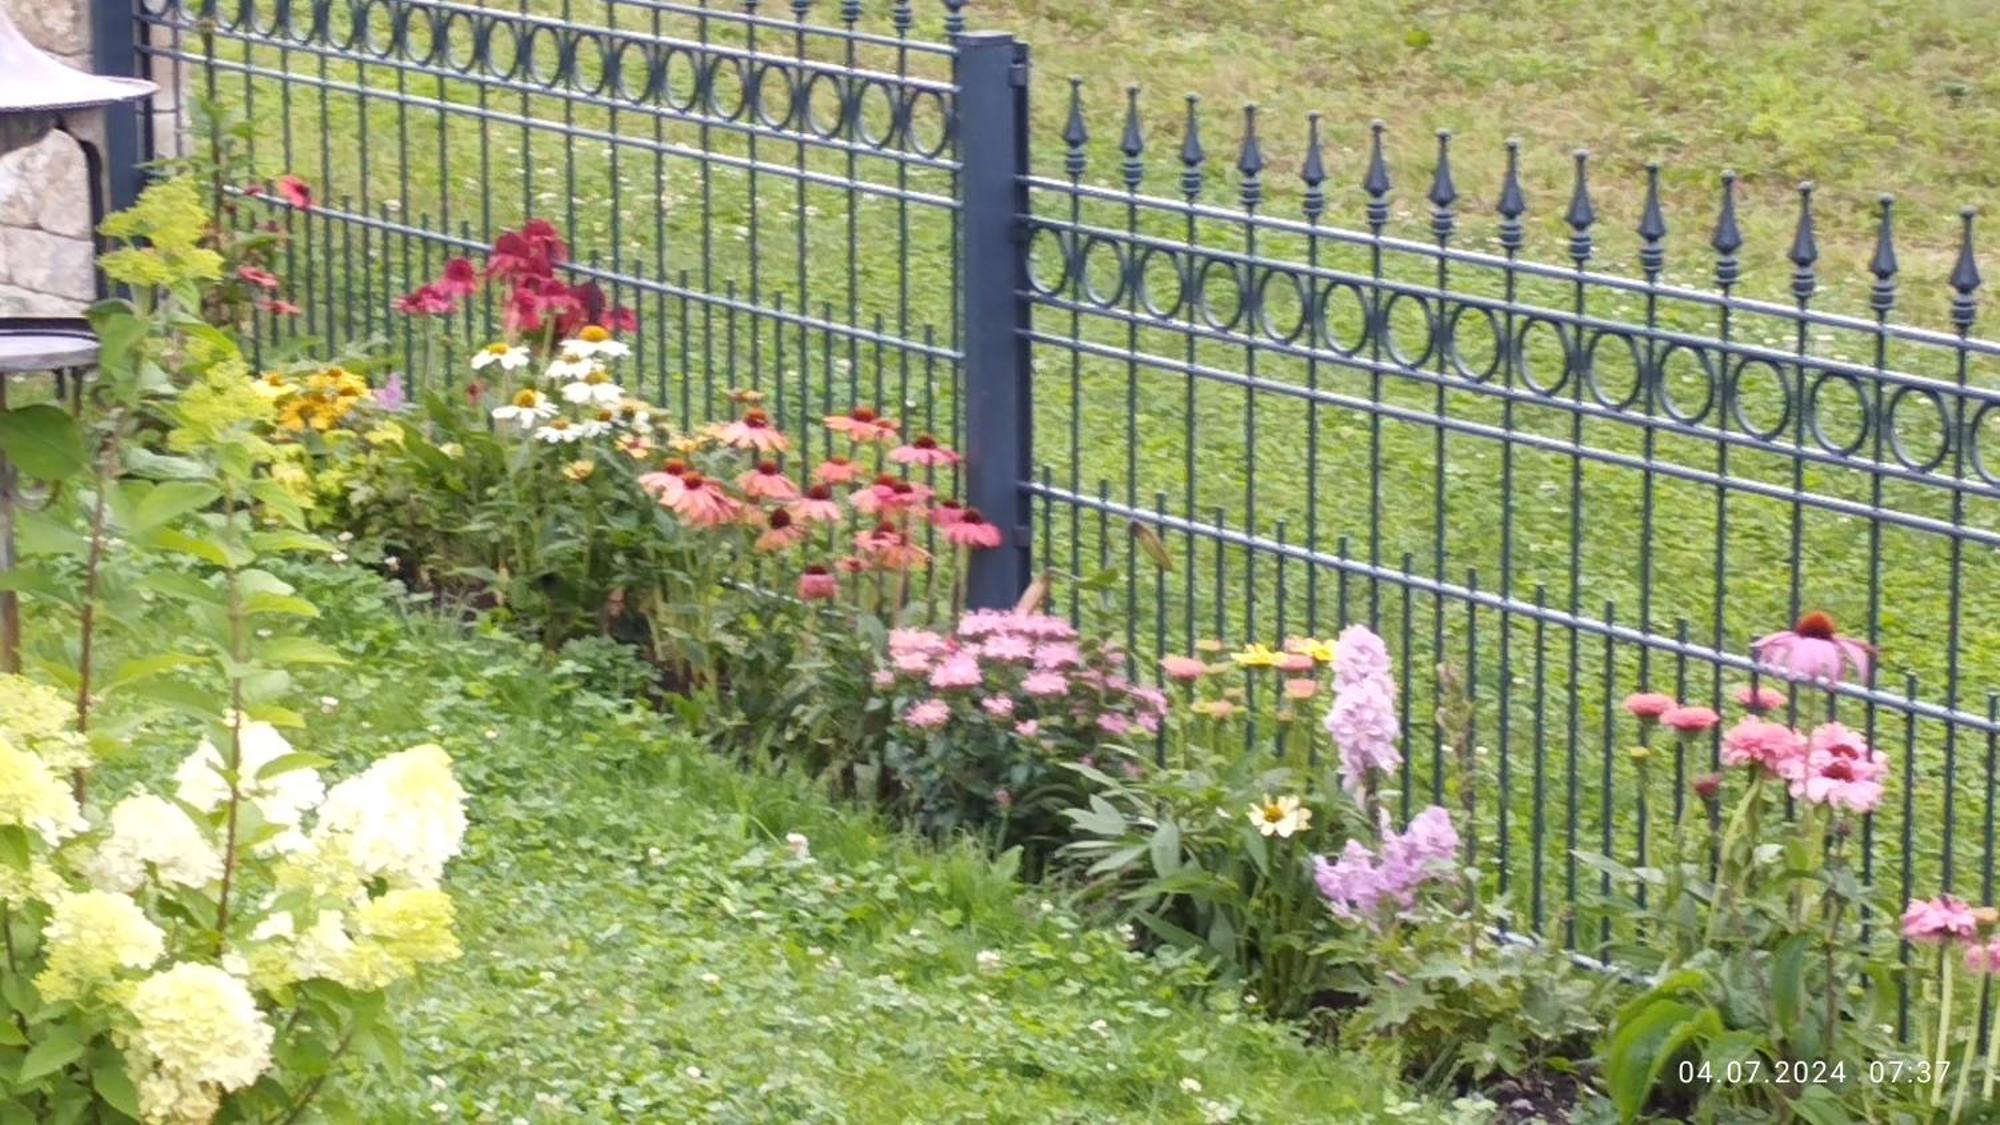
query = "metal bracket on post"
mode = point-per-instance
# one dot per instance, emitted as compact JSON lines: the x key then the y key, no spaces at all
{"x":995,"y":401}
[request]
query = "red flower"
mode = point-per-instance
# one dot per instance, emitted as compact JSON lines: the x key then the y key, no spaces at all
{"x":460,"y":279}
{"x":262,"y":279}
{"x":621,"y":319}
{"x":296,"y":191}
{"x":425,"y":300}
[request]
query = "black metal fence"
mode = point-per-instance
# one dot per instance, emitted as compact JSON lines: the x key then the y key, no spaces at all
{"x":1569,"y":482}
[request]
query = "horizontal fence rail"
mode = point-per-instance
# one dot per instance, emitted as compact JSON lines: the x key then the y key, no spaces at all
{"x":1566,"y":481}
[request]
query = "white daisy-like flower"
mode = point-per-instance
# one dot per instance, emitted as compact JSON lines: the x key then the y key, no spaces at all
{"x":595,"y":340}
{"x":510,"y":357}
{"x":561,"y":431}
{"x":1279,"y":817}
{"x":798,"y":845}
{"x":594,"y":389}
{"x":596,"y":427}
{"x":570,"y":366}
{"x":528,"y":407}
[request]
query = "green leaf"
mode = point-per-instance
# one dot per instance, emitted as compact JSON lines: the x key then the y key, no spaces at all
{"x":285,"y":541}
{"x":1788,"y":985}
{"x":15,"y":849}
{"x":1166,"y":848}
{"x":1643,"y":1044}
{"x":142,"y":462}
{"x":145,"y":668}
{"x":286,"y":763}
{"x":299,"y":650}
{"x":43,"y":440}
{"x":180,"y":542}
{"x":170,"y":500}
{"x":109,"y":1079}
{"x":289,"y":605}
{"x":58,"y":1050}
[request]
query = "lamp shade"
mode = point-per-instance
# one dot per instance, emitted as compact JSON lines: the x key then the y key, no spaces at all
{"x":33,"y":82}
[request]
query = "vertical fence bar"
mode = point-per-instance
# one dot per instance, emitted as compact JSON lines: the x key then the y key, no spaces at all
{"x":114,"y":50}
{"x":992,"y":78}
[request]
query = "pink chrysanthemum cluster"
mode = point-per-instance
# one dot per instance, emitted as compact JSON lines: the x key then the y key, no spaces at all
{"x":1027,"y":673}
{"x":1363,"y":719}
{"x":1831,"y":766}
{"x":1364,"y":882}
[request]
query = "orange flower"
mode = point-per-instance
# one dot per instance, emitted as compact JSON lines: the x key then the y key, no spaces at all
{"x":862,"y":424}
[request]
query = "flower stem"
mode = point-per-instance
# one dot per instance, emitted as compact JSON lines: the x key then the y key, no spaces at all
{"x":1724,"y":893}
{"x":1942,"y":1050}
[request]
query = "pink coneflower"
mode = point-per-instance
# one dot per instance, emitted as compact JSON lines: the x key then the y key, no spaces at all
{"x":1708,"y":787}
{"x":925,"y":450}
{"x":868,"y":499}
{"x":890,"y":549}
{"x":262,"y":279}
{"x":665,"y":485}
{"x":703,"y":503}
{"x":959,"y":670}
{"x":1300,"y":690}
{"x":973,"y":532}
{"x":901,"y":496}
{"x":1183,"y":669}
{"x":1983,"y":957}
{"x":1690,"y":721}
{"x":1648,"y":706}
{"x":461,"y":278}
{"x":753,"y":432}
{"x":836,"y":470}
{"x":928,"y":715}
{"x":817,"y":506}
{"x":1759,"y":700}
{"x":1045,"y":684}
{"x":1813,"y":650}
{"x":1838,"y":769}
{"x":780,"y":533}
{"x":1760,"y":742}
{"x":295,"y":191}
{"x":768,"y":482}
{"x":1944,"y":918}
{"x":277,"y":307}
{"x":864,"y":425}
{"x":947,"y":512}
{"x":816,"y":585}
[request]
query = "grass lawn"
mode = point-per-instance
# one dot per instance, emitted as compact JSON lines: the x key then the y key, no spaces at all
{"x":1858,"y":97}
{"x":640,"y":944}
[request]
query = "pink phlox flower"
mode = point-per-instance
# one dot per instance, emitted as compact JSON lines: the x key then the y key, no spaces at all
{"x":1045,"y":684}
{"x":998,"y":706}
{"x":1364,"y":727}
{"x":1058,"y":655}
{"x":959,"y":670}
{"x":1008,"y":647}
{"x":1114,"y":724}
{"x":1360,"y":656}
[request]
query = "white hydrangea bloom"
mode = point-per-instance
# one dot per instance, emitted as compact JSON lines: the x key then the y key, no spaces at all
{"x":38,"y":718}
{"x":401,"y":818}
{"x":32,"y":796}
{"x":282,"y":800}
{"x":197,"y":1034}
{"x":152,"y":831}
{"x":90,"y":935}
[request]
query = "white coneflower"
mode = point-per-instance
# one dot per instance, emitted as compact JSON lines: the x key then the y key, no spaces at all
{"x":528,"y":407}
{"x":596,"y":340}
{"x":594,"y":389}
{"x":570,"y":366}
{"x":510,"y":357}
{"x":560,"y":431}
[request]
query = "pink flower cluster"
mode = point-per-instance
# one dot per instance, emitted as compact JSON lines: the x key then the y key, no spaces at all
{"x":1685,"y":720}
{"x":1948,"y":920}
{"x":1363,"y":882}
{"x":1027,"y":673}
{"x":1363,"y":718}
{"x":1832,"y":766}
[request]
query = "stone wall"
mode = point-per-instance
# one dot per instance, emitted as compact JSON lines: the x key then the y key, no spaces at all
{"x":45,"y":251}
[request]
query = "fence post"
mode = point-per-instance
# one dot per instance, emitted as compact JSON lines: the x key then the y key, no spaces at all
{"x":994,"y":401}
{"x":114,"y":51}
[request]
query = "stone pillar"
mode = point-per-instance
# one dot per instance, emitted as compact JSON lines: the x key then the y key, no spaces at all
{"x":45,"y":247}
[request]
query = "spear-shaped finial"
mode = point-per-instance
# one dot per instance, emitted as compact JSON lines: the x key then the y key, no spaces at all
{"x":1652,"y":227}
{"x":1805,"y":248}
{"x":1133,"y":143}
{"x":1444,"y":192}
{"x":1193,"y":156}
{"x":954,"y":18}
{"x":1965,"y":278}
{"x":1883,"y":297}
{"x":1075,"y":134}
{"x":1582,"y":212}
{"x":1250,"y":161}
{"x":1728,"y":238}
{"x":1513,"y":203}
{"x":1376,"y":180}
{"x":1313,"y":171}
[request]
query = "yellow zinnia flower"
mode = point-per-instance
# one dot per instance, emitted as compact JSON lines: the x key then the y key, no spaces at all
{"x":1258,"y":656}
